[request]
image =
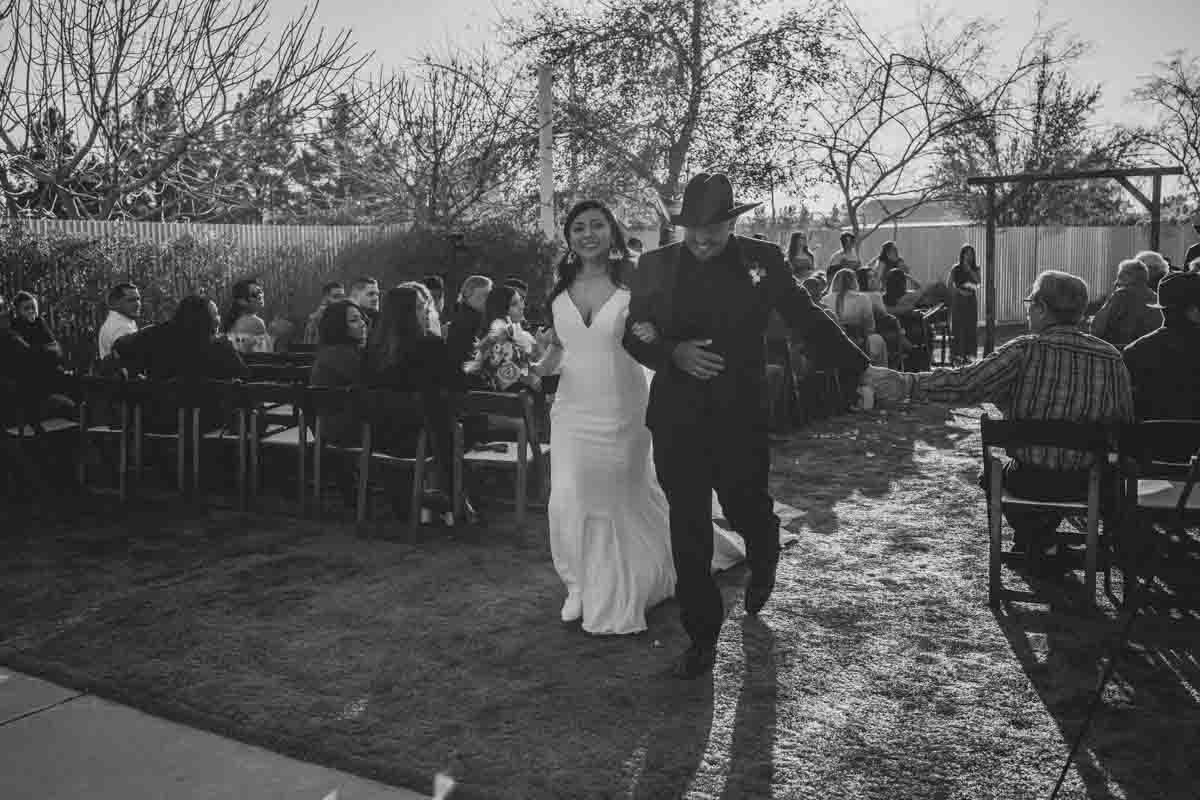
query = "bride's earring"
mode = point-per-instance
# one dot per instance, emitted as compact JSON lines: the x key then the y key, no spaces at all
{"x":573,"y":257}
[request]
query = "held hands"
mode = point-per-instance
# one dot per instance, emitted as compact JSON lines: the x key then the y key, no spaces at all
{"x":890,"y":387}
{"x":547,"y":338}
{"x":645,"y":331}
{"x":692,"y":357}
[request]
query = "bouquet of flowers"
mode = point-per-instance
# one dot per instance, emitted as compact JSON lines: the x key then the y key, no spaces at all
{"x":503,"y":357}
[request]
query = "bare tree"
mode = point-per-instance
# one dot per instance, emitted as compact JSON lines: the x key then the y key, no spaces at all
{"x":1172,"y":94}
{"x":78,"y":77}
{"x":646,"y":90}
{"x":879,"y":129}
{"x":444,"y":141}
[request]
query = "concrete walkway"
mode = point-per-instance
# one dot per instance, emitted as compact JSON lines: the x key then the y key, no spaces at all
{"x":59,"y":744}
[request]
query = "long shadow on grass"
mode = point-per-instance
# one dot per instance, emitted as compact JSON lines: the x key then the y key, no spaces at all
{"x":864,"y":454}
{"x":1144,"y":736}
{"x":751,"y":766}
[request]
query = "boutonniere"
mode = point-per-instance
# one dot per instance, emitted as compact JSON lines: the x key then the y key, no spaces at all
{"x":757,"y":273}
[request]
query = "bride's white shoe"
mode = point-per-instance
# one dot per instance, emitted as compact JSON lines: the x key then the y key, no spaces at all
{"x":573,"y":608}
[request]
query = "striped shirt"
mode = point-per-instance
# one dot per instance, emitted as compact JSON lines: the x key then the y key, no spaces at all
{"x":1058,"y":374}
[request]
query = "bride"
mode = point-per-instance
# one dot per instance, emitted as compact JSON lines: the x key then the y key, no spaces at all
{"x":609,"y":532}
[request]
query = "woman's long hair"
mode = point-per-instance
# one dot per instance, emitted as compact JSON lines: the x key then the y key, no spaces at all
{"x":865,"y":276}
{"x":193,"y":320}
{"x":570,"y":264}
{"x":499,"y":299}
{"x":883,"y":255}
{"x":844,"y":282}
{"x":332,"y":329}
{"x":794,"y":245}
{"x":895,"y":286}
{"x":239,"y":305}
{"x":962,"y":252}
{"x":396,"y":332}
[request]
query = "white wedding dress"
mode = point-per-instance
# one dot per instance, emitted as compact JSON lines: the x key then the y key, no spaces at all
{"x":609,"y":532}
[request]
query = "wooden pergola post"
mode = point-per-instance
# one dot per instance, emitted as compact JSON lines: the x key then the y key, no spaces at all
{"x":1122,"y":176}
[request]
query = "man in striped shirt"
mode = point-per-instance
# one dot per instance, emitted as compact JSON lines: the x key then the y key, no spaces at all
{"x":1055,"y":372}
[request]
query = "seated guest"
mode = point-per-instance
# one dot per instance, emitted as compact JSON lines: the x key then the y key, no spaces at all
{"x":854,"y":313}
{"x":402,"y":354}
{"x":242,"y":323}
{"x":187,"y":347}
{"x":898,"y":299}
{"x":462,"y":328}
{"x":364,"y":293}
{"x":342,"y":337}
{"x":1128,"y":314}
{"x":1164,"y":365}
{"x":331,"y":292}
{"x":124,"y":308}
{"x":1156,"y":264}
{"x":886,"y":325}
{"x":1025,"y":379}
{"x":44,"y":379}
{"x":506,"y":303}
{"x":437,"y":288}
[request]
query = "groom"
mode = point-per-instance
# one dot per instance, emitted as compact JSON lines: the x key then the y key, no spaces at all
{"x":708,"y":299}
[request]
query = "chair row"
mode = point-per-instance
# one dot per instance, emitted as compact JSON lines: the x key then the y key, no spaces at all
{"x":1141,"y":474}
{"x":282,"y":415}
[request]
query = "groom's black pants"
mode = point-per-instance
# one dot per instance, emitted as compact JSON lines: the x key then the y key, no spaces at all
{"x":691,"y":463}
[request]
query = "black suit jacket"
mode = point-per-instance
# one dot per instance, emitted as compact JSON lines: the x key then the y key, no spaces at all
{"x":678,"y":399}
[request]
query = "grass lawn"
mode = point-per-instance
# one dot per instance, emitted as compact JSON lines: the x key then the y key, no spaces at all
{"x":876,"y":671}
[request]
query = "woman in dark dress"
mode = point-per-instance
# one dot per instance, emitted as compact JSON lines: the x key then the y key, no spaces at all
{"x":404,"y":355}
{"x":43,"y":378}
{"x":964,"y":306}
{"x":341,"y":336}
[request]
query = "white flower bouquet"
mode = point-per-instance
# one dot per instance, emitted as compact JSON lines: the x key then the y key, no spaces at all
{"x":502,"y":359}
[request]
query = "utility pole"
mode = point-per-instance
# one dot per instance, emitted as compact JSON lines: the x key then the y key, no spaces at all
{"x":546,"y":148}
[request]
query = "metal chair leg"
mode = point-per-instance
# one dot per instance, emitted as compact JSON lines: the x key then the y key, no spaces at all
{"x":418,"y":482}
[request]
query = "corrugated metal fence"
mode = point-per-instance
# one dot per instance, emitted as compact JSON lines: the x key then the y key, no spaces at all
{"x":1021,"y":253}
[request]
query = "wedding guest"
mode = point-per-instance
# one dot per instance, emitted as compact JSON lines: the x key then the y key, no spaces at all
{"x":846,"y":258}
{"x":1025,"y":379}
{"x":635,"y":247}
{"x":364,"y":293}
{"x":242,"y":323}
{"x":517,"y":315}
{"x":855,"y":314}
{"x":331,"y":292}
{"x":187,"y":347}
{"x":1156,"y":264}
{"x":888,"y":260}
{"x":437,"y":288}
{"x":342,"y":337}
{"x":124,"y":308}
{"x":467,"y":319}
{"x":1194,"y":265}
{"x":799,"y":257}
{"x":1130,"y":312}
{"x":964,"y":306}
{"x":1164,"y":365}
{"x":31,"y":361}
{"x":901,"y":302}
{"x":1193,"y":252}
{"x":403,"y":354}
{"x":506,"y":304}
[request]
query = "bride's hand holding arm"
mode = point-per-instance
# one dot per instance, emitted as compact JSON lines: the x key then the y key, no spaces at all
{"x":552,"y":352}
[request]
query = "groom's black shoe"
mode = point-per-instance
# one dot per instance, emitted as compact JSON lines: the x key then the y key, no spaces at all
{"x":760,"y":585}
{"x":694,"y":662}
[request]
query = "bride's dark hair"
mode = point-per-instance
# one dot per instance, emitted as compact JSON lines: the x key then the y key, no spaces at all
{"x":570,"y":264}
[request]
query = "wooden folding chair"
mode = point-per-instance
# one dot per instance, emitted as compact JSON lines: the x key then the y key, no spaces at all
{"x":1161,"y":460}
{"x":380,"y":407}
{"x":320,"y":403}
{"x":1097,"y":439}
{"x":515,"y":410}
{"x":105,"y":412}
{"x":274,"y":417}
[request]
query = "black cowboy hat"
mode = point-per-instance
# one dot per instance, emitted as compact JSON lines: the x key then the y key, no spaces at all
{"x":708,"y":199}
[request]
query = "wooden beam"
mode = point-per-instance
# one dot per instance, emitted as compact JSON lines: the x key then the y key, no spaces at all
{"x":989,"y":261}
{"x":1074,"y":175}
{"x":1156,"y":213}
{"x":1133,"y":190}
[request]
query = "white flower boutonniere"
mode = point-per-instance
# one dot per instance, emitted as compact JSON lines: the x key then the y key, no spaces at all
{"x":757,"y":273}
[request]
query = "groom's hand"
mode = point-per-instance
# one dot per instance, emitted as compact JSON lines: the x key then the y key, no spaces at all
{"x":890,"y":387}
{"x":692,"y":357}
